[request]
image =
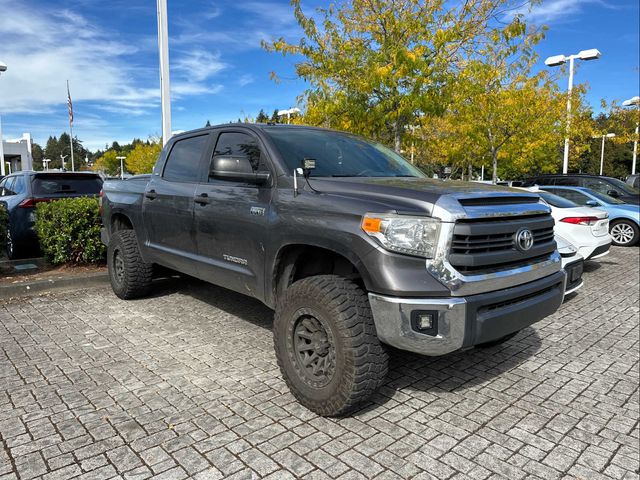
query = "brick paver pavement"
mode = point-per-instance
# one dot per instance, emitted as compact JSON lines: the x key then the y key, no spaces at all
{"x":185,"y":384}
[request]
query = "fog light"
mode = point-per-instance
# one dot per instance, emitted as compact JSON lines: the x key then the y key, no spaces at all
{"x":425,"y":322}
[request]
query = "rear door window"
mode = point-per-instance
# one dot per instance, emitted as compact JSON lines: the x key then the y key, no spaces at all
{"x":66,"y":184}
{"x":183,"y":163}
{"x":569,"y":181}
{"x":573,"y":195}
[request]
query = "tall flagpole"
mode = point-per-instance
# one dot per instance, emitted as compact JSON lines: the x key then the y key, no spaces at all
{"x":70,"y":108}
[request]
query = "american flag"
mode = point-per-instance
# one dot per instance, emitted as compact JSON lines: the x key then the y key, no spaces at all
{"x":69,"y":104}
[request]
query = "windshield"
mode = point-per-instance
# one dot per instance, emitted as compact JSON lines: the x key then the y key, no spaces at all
{"x":628,"y":189}
{"x":605,"y":198}
{"x":339,"y":154}
{"x":556,"y":201}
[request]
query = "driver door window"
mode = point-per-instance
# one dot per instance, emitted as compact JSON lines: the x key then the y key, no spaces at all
{"x":239,"y":145}
{"x":598,"y":185}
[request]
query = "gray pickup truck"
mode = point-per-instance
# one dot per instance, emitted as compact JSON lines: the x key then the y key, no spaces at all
{"x":353,"y":247}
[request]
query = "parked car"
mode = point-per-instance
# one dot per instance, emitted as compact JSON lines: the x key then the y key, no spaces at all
{"x":350,"y":244}
{"x":584,"y":227}
{"x":624,"y":219}
{"x":21,"y":191}
{"x":606,"y":185}
{"x":634,"y":180}
{"x":572,"y":264}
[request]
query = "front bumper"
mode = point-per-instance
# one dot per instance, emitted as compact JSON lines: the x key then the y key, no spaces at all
{"x":462,"y":322}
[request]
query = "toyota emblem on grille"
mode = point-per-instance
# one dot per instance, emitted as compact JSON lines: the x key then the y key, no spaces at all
{"x":524,"y":239}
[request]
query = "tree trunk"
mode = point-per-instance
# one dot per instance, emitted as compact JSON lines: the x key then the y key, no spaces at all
{"x":494,"y":155}
{"x":470,"y":173}
{"x":397,"y":136}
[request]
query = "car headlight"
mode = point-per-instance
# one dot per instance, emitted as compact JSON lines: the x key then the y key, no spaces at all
{"x":403,"y":234}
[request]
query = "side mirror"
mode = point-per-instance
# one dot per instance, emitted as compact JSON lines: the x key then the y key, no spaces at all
{"x":237,"y":169}
{"x":613,"y":193}
{"x":592,"y":203}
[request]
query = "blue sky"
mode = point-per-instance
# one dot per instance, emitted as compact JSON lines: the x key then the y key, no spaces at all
{"x":108,"y":52}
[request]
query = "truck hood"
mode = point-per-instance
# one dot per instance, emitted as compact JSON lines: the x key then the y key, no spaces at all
{"x":429,"y":196}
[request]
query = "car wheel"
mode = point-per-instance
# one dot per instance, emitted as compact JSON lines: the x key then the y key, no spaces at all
{"x":326,"y":344}
{"x":624,"y":233}
{"x":129,"y":275}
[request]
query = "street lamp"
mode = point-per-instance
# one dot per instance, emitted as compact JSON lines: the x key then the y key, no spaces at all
{"x":45,"y":164}
{"x":3,"y":68}
{"x":288,"y":113}
{"x":629,"y":103}
{"x":62,"y":157}
{"x":604,"y":137}
{"x":122,"y":159}
{"x":591,"y":54}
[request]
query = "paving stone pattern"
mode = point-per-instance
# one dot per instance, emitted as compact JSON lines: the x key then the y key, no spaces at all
{"x":185,"y":385}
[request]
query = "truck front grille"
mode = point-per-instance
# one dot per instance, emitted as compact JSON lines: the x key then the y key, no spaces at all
{"x":480,"y":246}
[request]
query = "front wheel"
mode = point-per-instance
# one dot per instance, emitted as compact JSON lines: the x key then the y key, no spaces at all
{"x":624,"y":233}
{"x":326,"y":344}
{"x":129,"y":275}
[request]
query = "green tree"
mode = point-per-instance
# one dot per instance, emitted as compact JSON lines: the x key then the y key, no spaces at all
{"x":262,"y":117}
{"x":37,"y":154}
{"x":108,"y":163}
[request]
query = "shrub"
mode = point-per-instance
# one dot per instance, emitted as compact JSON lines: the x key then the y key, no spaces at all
{"x":4,"y":220}
{"x":69,"y":231}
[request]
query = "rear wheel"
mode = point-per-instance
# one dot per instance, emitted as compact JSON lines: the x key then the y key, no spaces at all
{"x":624,"y":233}
{"x":130,"y":276}
{"x":326,"y":344}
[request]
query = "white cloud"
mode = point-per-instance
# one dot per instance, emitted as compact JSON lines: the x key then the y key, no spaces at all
{"x":198,"y":65}
{"x":558,"y":10}
{"x":45,"y":48}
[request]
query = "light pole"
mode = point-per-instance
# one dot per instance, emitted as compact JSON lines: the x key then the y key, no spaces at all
{"x":45,"y":164}
{"x":288,"y":113}
{"x":604,"y":137}
{"x":629,"y":103}
{"x":62,"y":157}
{"x":163,"y":48}
{"x":3,"y":68}
{"x":592,"y":54}
{"x":122,"y":159}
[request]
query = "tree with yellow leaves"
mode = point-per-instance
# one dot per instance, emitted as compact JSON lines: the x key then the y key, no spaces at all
{"x":375,"y":67}
{"x":143,"y":157}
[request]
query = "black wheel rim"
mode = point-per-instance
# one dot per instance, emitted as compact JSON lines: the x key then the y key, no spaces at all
{"x":314,"y":350}
{"x":118,"y":266}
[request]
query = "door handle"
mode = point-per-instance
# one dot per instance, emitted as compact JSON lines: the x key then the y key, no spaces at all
{"x":202,"y":199}
{"x":151,"y":194}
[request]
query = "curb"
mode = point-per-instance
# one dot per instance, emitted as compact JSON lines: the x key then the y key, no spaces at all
{"x":27,"y":289}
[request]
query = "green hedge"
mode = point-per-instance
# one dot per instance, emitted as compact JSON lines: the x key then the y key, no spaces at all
{"x":69,"y":231}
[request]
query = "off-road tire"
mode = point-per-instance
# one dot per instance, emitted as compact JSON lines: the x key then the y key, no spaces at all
{"x":129,"y":275}
{"x":361,"y":361}
{"x":633,"y":233}
{"x":498,"y":341}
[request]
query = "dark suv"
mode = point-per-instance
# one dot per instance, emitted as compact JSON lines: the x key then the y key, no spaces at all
{"x":609,"y":186}
{"x":20,"y":192}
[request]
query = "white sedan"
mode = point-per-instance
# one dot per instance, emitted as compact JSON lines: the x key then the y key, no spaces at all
{"x":572,"y":264}
{"x":584,"y":227}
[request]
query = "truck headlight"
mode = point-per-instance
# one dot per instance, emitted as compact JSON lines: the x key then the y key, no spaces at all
{"x":403,"y":234}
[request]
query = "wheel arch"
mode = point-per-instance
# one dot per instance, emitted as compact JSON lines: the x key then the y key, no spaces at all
{"x":295,"y":261}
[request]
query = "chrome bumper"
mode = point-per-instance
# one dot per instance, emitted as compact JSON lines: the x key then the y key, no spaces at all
{"x":463,"y":322}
